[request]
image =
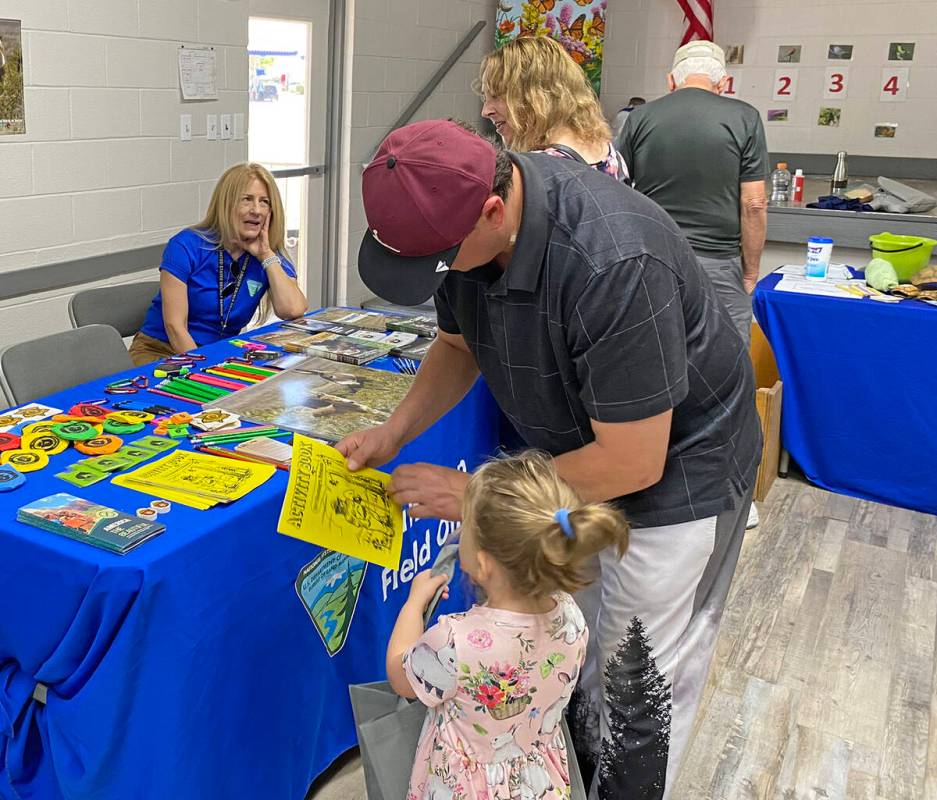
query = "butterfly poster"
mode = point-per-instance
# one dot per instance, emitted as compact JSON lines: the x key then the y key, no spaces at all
{"x":578,"y":25}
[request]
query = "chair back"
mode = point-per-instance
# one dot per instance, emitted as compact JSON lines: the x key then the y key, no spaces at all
{"x":122,"y":307}
{"x":34,"y":369}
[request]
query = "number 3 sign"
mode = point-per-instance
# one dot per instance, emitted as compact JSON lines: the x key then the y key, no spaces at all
{"x":785,"y":84}
{"x":894,"y":84}
{"x":837,"y":83}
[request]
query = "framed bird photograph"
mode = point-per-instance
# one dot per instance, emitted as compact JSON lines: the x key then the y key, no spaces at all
{"x":578,"y":25}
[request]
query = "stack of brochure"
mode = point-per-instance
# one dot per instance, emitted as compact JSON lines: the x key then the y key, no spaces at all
{"x":89,"y":522}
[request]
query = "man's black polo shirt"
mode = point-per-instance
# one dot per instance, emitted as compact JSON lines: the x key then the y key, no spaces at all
{"x":604,"y":313}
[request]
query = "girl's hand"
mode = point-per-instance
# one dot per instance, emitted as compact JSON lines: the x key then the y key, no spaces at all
{"x":424,"y":588}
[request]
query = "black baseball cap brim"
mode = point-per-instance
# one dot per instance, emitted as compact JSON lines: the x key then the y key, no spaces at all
{"x":402,"y":280}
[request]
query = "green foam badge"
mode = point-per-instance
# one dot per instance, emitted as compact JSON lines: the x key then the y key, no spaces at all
{"x":75,"y":431}
{"x":111,"y":463}
{"x":81,"y":475}
{"x":157,"y":443}
{"x":119,"y":428}
{"x":135,"y":454}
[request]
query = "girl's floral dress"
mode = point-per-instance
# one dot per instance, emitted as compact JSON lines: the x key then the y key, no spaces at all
{"x":496,"y":684}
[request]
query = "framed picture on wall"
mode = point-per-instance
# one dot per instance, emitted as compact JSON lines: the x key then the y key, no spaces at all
{"x":886,"y":130}
{"x":901,"y":51}
{"x":778,"y":114}
{"x":12,"y":110}
{"x":839,"y":52}
{"x":789,"y":54}
{"x":735,"y":53}
{"x":830,"y":117}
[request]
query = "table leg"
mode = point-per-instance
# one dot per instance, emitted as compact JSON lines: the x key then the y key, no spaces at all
{"x":784,"y":463}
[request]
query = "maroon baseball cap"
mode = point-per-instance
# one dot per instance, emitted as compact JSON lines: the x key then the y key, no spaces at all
{"x":423,"y":193}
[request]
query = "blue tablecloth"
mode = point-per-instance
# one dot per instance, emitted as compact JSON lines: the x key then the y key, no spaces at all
{"x":859,"y":388}
{"x":189,"y":669}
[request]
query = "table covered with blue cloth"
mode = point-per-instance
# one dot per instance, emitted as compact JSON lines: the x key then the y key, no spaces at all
{"x":859,"y":380}
{"x":189,"y":668}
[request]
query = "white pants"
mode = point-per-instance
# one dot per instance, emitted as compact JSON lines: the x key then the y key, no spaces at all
{"x":654,"y":617}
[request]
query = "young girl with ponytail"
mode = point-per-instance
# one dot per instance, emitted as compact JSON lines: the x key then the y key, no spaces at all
{"x":496,"y":679}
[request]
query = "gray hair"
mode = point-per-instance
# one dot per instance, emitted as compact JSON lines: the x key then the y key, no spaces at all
{"x":709,"y":67}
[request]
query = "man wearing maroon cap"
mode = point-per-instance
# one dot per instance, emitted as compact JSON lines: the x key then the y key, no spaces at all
{"x":587,"y":313}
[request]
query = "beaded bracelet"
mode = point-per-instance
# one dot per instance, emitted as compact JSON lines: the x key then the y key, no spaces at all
{"x":269,"y":261}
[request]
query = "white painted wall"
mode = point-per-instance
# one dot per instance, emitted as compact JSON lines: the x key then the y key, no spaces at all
{"x":643,"y":34}
{"x":397,"y":48}
{"x":101,"y":168}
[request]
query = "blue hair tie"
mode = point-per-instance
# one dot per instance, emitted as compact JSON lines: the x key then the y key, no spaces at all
{"x":561,"y":515}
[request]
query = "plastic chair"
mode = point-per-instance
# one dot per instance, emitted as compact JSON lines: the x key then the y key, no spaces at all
{"x":122,"y":307}
{"x":33,"y":369}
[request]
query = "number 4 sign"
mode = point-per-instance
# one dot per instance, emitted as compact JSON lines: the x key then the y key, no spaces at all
{"x":894,"y":84}
{"x":785,"y":84}
{"x":837,"y":81}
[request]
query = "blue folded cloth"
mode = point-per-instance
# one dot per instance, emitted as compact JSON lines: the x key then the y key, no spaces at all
{"x":833,"y":202}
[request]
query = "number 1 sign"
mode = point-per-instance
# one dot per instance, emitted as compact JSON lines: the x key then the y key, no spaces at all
{"x":894,"y":84}
{"x":785,"y":84}
{"x":732,"y":84}
{"x":837,"y":83}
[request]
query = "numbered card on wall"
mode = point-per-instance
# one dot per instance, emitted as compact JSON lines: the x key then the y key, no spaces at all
{"x":733,"y":84}
{"x":837,"y":83}
{"x":785,"y":84}
{"x":894,"y":84}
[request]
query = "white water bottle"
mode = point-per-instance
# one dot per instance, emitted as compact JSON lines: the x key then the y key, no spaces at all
{"x":781,"y":186}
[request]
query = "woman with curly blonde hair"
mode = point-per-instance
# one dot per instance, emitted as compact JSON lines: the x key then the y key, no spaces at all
{"x":538,"y":98}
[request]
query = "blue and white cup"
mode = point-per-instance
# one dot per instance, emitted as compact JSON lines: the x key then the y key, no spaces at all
{"x":819,"y":253}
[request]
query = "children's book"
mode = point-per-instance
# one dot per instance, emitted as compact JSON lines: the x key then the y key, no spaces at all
{"x":89,"y":522}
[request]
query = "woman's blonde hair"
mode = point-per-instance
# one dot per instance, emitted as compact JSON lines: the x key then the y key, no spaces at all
{"x":544,"y":89}
{"x":220,"y":224}
{"x":511,"y":510}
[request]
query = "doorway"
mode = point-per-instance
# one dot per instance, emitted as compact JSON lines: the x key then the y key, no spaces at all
{"x":287,"y":86}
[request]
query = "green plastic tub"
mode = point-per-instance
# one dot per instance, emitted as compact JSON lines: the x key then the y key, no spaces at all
{"x":907,"y":254}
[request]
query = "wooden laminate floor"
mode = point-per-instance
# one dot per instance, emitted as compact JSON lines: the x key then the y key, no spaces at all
{"x":823,"y":683}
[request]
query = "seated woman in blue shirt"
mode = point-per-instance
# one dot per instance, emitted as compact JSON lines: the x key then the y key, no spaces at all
{"x":214,"y":275}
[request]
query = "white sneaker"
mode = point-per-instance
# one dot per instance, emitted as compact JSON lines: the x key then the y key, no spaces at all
{"x":753,"y":518}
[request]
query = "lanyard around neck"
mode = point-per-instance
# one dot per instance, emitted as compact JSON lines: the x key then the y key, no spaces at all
{"x":222,"y":316}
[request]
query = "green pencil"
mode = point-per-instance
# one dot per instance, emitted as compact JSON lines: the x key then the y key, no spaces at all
{"x":197,"y":388}
{"x":187,"y":391}
{"x":243,"y":437}
{"x":250,"y":370}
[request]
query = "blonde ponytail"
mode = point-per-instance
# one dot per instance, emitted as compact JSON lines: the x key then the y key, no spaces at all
{"x":533,"y":523}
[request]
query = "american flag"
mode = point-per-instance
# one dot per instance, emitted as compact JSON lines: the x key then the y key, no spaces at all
{"x":699,"y":20}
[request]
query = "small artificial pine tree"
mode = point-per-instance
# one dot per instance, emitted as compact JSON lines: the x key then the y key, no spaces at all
{"x":634,"y":757}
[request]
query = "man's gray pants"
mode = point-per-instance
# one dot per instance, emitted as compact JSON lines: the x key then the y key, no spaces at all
{"x":726,"y":277}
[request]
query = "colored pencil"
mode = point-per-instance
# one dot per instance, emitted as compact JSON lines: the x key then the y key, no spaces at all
{"x":236,"y":368}
{"x":185,"y":391}
{"x":250,"y":429}
{"x":199,"y":388}
{"x":239,"y":457}
{"x":249,"y":368}
{"x":175,"y":396}
{"x":232,"y":438}
{"x":211,"y":381}
{"x":225,"y":373}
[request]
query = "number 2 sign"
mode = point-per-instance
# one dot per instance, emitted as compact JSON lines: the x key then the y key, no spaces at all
{"x":785,"y":84}
{"x":894,"y":84}
{"x":837,"y":83}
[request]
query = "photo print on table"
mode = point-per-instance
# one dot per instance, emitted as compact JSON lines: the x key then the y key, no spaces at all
{"x":901,"y":51}
{"x":830,"y":117}
{"x":840,"y":52}
{"x":886,"y":130}
{"x":778,"y":114}
{"x":789,"y":54}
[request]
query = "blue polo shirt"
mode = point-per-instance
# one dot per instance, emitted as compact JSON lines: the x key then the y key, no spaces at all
{"x":194,"y":261}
